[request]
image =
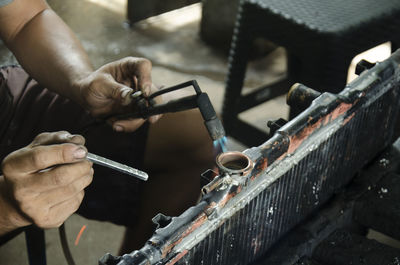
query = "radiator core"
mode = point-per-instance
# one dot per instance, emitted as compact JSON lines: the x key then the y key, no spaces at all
{"x":295,"y":172}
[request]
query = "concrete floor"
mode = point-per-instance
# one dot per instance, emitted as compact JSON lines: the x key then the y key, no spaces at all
{"x":171,"y":41}
{"x":168,"y":41}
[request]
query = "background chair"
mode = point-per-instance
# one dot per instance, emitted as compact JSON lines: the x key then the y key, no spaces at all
{"x":320,"y":37}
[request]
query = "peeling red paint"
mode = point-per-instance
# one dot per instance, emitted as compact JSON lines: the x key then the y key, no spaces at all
{"x":270,"y":145}
{"x":340,"y":110}
{"x":199,"y":221}
{"x":298,"y":139}
{"x":227,"y":198}
{"x":349,"y":118}
{"x":282,"y":156}
{"x":325,"y":120}
{"x":212,"y":205}
{"x":178,"y":257}
{"x":261,"y":165}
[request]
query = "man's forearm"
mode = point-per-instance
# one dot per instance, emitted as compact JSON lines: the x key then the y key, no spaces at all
{"x":50,"y":52}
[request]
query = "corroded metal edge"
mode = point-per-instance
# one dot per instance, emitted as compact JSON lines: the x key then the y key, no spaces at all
{"x":328,"y":114}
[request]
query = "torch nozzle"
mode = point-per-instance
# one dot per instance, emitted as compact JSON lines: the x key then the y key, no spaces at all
{"x":212,"y":122}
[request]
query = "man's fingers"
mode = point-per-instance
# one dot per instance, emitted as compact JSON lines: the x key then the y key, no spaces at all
{"x":58,"y":213}
{"x":132,"y":124}
{"x":155,"y":118}
{"x":64,"y":193}
{"x":127,"y":125}
{"x":139,"y":68}
{"x":59,"y":176}
{"x":117,"y":92}
{"x":65,"y":209}
{"x":30,"y":160}
{"x":48,"y":138}
{"x":110,"y":88}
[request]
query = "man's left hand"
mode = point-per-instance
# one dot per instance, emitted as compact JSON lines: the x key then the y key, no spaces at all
{"x":107,"y":90}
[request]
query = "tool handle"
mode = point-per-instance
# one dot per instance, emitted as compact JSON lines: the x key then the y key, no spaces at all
{"x":102,"y":161}
{"x":176,"y":105}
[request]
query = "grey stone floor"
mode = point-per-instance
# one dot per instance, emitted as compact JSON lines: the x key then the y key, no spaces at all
{"x":171,"y":41}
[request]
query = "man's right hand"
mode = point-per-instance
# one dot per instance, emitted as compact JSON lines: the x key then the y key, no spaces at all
{"x":43,"y":183}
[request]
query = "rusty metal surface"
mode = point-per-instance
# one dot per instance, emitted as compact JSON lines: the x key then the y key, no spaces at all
{"x":294,"y":173}
{"x":344,"y":211}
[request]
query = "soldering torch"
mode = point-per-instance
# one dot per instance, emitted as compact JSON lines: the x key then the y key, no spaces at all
{"x":144,"y":107}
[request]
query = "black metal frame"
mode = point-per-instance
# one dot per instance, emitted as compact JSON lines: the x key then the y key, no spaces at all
{"x":293,"y":175}
{"x":351,"y":213}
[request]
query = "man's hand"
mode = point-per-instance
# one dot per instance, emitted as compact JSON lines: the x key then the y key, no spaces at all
{"x":44,"y":182}
{"x":107,"y":91}
{"x":60,"y":63}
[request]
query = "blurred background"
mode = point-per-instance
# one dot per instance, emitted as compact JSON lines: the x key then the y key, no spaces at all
{"x":180,"y":50}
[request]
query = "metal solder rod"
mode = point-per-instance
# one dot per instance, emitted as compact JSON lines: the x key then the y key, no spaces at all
{"x":99,"y":160}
